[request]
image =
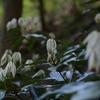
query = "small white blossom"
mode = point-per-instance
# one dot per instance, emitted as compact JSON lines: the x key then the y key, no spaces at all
{"x":14,"y":22}
{"x":29,"y":24}
{"x":36,"y":24}
{"x":35,"y":56}
{"x":51,"y":50}
{"x":6,"y":57}
{"x":10,"y":69}
{"x":39,"y":73}
{"x":97,"y":18}
{"x":93,"y":50}
{"x":20,"y":21}
{"x":16,"y":57}
{"x":28,"y":20}
{"x":11,"y":24}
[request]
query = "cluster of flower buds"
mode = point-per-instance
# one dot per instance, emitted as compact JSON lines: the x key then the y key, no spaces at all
{"x":10,"y":61}
{"x":51,"y":50}
{"x":27,"y":24}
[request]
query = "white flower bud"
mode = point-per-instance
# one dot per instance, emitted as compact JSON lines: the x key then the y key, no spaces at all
{"x":51,"y":50}
{"x":35,"y":56}
{"x":8,"y":51}
{"x":14,"y":23}
{"x":11,"y":24}
{"x":10,"y":69}
{"x":39,"y":73}
{"x":6,"y":57}
{"x":36,"y":24}
{"x":97,"y":18}
{"x":16,"y":57}
{"x":20,"y":21}
{"x":28,"y":20}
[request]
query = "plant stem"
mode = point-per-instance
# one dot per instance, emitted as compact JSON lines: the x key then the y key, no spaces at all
{"x":59,"y":71}
{"x":62,"y":75}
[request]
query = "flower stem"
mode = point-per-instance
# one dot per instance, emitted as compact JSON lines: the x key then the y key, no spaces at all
{"x":59,"y":71}
{"x":62,"y":76}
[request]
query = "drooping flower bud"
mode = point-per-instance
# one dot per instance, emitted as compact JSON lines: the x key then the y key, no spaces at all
{"x":10,"y":69}
{"x":93,"y":50}
{"x":11,"y":24}
{"x":97,"y":18}
{"x":14,"y":22}
{"x":51,"y":50}
{"x":6,"y":57}
{"x":16,"y":57}
{"x":28,"y":20}
{"x":20,"y":21}
{"x":8,"y":26}
{"x":35,"y":56}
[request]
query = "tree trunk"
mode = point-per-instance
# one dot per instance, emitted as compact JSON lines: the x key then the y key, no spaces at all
{"x":42,"y":14}
{"x":12,"y":9}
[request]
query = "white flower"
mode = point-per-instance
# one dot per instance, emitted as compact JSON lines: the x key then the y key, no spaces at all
{"x":14,"y":22}
{"x":97,"y":18}
{"x":93,"y":50}
{"x":11,"y":24}
{"x":20,"y":21}
{"x":10,"y":69}
{"x":39,"y":73}
{"x":35,"y":56}
{"x":51,"y":50}
{"x":36,"y":24}
{"x":6,"y":57}
{"x":28,"y":20}
{"x":16,"y":57}
{"x":2,"y":74}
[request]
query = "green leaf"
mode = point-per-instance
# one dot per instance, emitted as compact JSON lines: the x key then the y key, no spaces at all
{"x":2,"y":94}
